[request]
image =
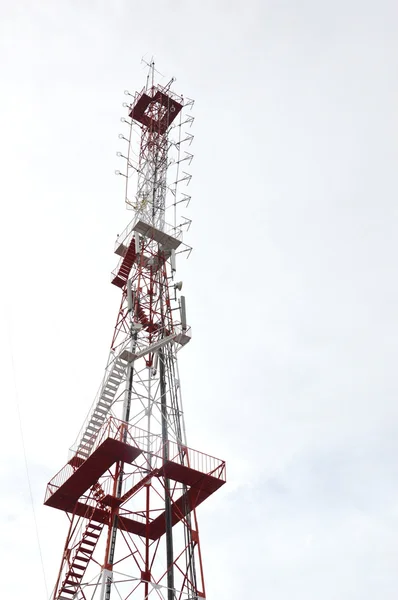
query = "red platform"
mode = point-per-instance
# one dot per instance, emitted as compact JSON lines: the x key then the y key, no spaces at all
{"x":171,"y":109}
{"x":110,"y":451}
{"x":201,"y":487}
{"x":67,"y":496}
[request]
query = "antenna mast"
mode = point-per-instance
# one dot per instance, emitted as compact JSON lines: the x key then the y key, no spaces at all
{"x":131,"y":485}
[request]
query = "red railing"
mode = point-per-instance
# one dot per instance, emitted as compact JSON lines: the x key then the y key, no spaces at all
{"x":154,"y":453}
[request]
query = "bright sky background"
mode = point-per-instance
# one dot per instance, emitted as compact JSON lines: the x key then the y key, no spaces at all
{"x":292,"y":288}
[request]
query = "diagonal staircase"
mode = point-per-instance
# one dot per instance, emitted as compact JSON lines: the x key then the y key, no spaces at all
{"x":123,"y":270}
{"x":101,"y":409}
{"x":79,"y":562}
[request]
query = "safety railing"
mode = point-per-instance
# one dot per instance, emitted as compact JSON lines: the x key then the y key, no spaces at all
{"x":141,"y":215}
{"x":194,"y":459}
{"x":154,"y":452}
{"x":59,"y":479}
{"x":122,"y":237}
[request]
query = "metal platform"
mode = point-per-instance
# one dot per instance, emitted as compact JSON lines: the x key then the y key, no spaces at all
{"x":68,"y":485}
{"x":171,"y":104}
{"x":179,"y":336}
{"x":201,"y":475}
{"x":169,"y":238}
{"x":166,"y":240}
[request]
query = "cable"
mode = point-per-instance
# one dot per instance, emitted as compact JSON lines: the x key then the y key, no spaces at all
{"x":26,"y":460}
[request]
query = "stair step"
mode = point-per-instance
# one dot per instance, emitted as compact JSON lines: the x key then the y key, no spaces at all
{"x":86,"y":445}
{"x":119,"y":373}
{"x":83,"y":558}
{"x":108,"y":396}
{"x":75,"y":566}
{"x":107,"y":391}
{"x":66,"y":591}
{"x":88,"y":543}
{"x":73,"y":574}
{"x":93,"y":534}
{"x":91,"y":426}
{"x":110,"y":386}
{"x":117,"y":370}
{"x":95,"y":420}
{"x":85,"y":554}
{"x":118,"y":362}
{"x":106,"y":401}
{"x":99,"y":418}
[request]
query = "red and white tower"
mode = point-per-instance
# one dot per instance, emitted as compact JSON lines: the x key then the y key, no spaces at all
{"x":131,"y":485}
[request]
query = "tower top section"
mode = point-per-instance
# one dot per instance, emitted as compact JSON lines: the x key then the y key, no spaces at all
{"x":156,"y":155}
{"x":156,"y":109}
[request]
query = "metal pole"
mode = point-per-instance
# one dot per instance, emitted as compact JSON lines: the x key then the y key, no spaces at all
{"x":169,"y":524}
{"x":165,"y":440}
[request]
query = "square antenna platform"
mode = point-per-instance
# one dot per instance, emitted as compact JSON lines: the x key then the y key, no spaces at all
{"x":168,"y":109}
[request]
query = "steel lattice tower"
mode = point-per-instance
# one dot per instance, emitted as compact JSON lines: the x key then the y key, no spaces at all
{"x":131,"y":484}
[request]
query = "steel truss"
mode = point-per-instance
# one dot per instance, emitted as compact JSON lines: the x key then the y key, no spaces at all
{"x":132,"y":485}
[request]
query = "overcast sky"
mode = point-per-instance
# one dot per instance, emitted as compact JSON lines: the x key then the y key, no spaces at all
{"x":291,"y":289}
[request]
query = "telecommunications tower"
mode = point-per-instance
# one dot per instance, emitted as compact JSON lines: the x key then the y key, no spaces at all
{"x":131,"y":485}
